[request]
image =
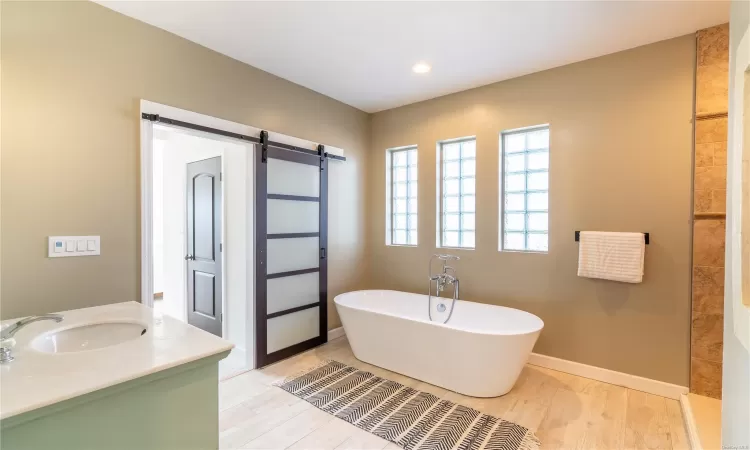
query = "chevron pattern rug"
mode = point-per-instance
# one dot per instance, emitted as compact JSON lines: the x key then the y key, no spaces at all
{"x":409,"y":418}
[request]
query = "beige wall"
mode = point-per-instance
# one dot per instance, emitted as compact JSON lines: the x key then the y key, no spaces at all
{"x":73,"y":74}
{"x":72,"y":77}
{"x":621,"y":160}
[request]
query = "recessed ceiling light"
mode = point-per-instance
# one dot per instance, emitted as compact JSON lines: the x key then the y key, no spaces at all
{"x":421,"y":67}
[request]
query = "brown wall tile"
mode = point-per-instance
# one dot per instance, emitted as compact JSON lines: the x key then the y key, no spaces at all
{"x":705,"y":377}
{"x":713,"y":304}
{"x":720,"y":153}
{"x":708,"y":243}
{"x":702,"y":201}
{"x":719,"y":200}
{"x":707,"y":336}
{"x":711,"y":130}
{"x":713,"y":45}
{"x":712,"y":88}
{"x":706,"y":302}
{"x":704,"y":155}
{"x":709,"y":277}
{"x":708,"y":289}
{"x":710,"y":178}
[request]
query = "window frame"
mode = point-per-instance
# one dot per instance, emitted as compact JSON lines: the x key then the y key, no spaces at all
{"x":391,"y":196}
{"x":440,"y":196}
{"x":526,"y":191}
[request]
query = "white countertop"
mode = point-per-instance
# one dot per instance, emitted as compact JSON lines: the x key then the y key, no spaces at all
{"x":35,"y":379}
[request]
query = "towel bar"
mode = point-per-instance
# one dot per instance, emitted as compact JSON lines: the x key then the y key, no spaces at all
{"x":645,"y":237}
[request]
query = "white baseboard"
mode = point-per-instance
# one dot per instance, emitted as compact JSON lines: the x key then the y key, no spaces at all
{"x":335,"y":333}
{"x":609,"y":376}
{"x":690,"y":426}
{"x":595,"y":373}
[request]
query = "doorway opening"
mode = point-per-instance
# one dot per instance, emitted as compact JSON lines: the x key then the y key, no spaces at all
{"x":199,"y":235}
{"x":267,"y":275}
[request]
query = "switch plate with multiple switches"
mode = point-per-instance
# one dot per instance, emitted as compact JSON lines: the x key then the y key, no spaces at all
{"x":61,"y":246}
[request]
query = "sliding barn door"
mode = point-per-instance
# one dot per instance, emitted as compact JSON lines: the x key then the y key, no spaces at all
{"x":291,"y":279}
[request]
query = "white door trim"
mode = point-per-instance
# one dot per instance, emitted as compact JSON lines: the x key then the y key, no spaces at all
{"x":147,"y":213}
{"x":734,"y":297}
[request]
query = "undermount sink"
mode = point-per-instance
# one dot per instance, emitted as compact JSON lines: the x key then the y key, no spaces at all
{"x":88,"y":337}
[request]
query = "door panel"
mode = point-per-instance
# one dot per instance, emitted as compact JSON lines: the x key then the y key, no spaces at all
{"x":291,"y":292}
{"x":286,"y":255}
{"x":204,"y":269}
{"x":291,"y":216}
{"x":203,"y":217}
{"x":291,"y":178}
{"x":204,"y":287}
{"x":290,"y":329}
{"x":291,"y":236}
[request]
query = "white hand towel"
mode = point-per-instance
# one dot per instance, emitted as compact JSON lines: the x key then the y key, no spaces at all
{"x":611,"y":256}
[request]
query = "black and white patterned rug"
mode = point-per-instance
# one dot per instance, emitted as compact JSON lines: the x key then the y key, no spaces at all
{"x":410,"y":418}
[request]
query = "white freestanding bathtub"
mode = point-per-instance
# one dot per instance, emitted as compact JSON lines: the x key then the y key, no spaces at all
{"x":480,"y":352}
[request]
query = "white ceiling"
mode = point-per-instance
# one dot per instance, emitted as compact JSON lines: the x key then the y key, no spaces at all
{"x":361,"y":53}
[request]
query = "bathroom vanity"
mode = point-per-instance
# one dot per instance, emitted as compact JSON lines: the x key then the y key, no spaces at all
{"x":97,"y":380}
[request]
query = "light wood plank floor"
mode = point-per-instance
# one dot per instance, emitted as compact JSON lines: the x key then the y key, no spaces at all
{"x":565,"y":411}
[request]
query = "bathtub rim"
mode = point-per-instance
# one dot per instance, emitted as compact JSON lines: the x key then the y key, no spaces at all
{"x":438,"y":324}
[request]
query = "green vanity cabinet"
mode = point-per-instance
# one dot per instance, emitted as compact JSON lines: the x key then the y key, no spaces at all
{"x":176,"y":408}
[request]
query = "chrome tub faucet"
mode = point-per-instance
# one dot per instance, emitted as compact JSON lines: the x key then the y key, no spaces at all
{"x":447,"y":277}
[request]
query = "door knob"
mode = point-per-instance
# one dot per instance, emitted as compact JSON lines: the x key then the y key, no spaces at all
{"x":189,"y":258}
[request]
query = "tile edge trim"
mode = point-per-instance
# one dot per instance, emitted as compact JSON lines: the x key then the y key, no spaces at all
{"x":690,"y":426}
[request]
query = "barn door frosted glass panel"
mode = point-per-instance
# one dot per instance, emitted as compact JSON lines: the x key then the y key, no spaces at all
{"x":290,"y":254}
{"x":292,"y":216}
{"x":293,"y":248}
{"x":290,"y":329}
{"x":290,"y":292}
{"x":294,"y":254}
{"x":292,"y":178}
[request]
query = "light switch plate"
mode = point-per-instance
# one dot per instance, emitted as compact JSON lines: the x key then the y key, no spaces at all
{"x":57,"y":246}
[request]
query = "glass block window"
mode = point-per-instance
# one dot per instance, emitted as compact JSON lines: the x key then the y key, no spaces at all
{"x":403,"y":196}
{"x":458,"y":193}
{"x":525,"y":196}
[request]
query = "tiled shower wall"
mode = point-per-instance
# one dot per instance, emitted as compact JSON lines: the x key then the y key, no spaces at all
{"x":711,"y":97}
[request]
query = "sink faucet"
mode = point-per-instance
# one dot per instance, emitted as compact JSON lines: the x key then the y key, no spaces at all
{"x":6,"y":334}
